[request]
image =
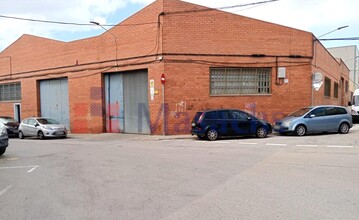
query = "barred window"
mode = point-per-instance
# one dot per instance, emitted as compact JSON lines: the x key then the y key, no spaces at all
{"x":336,"y":90}
{"x":327,"y":86}
{"x":239,"y":81}
{"x":10,"y":92}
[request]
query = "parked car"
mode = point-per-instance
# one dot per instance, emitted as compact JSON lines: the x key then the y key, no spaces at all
{"x":41,"y":128}
{"x":11,"y":124}
{"x":316,"y":119}
{"x":228,"y":122}
{"x":4,"y":139}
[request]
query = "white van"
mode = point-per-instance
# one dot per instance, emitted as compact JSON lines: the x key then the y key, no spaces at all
{"x":355,"y":106}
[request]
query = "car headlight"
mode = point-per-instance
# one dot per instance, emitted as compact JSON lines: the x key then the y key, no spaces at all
{"x":287,"y":123}
{"x":3,"y":131}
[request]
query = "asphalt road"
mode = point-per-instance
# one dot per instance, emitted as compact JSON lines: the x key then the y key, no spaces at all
{"x":116,"y":176}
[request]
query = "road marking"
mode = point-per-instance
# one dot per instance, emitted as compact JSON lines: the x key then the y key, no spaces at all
{"x":12,"y":158}
{"x":249,"y":143}
{"x":306,"y":145}
{"x":272,"y":144}
{"x":6,"y":189}
{"x":21,"y":167}
{"x":338,"y":146}
{"x":222,"y":142}
{"x":32,"y":169}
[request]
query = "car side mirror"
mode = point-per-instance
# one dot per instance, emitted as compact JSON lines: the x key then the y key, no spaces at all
{"x":37,"y":124}
{"x":312,"y":116}
{"x":249,"y":118}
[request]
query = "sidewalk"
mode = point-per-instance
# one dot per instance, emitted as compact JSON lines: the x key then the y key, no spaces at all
{"x":122,"y":136}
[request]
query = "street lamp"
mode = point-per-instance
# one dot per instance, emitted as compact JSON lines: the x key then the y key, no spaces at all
{"x":98,"y":24}
{"x":337,"y":29}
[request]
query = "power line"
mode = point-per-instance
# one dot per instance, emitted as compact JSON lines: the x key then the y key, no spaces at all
{"x":71,"y":23}
{"x":221,"y":8}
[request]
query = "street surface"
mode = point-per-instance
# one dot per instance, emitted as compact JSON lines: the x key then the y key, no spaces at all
{"x":124,"y":176}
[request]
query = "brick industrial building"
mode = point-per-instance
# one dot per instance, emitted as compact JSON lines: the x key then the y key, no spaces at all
{"x":210,"y":59}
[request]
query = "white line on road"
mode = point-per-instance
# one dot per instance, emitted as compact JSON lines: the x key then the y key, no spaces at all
{"x":249,"y":143}
{"x":338,"y":146}
{"x":222,"y":142}
{"x":21,"y":167}
{"x":306,"y":145}
{"x":272,"y":144}
{"x":6,"y":189}
{"x":32,"y":169}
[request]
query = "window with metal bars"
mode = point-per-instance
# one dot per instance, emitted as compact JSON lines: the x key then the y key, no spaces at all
{"x":327,"y":86}
{"x":10,"y":92}
{"x":336,"y":90}
{"x":240,"y":81}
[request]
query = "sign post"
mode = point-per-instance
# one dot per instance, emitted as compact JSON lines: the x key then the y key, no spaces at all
{"x":163,"y":80}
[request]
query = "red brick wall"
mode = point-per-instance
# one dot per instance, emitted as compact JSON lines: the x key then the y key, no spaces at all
{"x":332,"y":69}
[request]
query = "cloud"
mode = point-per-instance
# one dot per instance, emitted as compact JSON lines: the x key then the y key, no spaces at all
{"x":77,"y":11}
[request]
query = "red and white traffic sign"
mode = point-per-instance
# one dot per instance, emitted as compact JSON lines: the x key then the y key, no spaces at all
{"x":163,"y":78}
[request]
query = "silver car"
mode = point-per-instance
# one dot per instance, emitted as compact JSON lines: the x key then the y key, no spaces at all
{"x":315,"y":119}
{"x":41,"y":128}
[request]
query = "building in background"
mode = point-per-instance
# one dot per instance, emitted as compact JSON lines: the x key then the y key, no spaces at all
{"x":350,"y":56}
{"x":206,"y":58}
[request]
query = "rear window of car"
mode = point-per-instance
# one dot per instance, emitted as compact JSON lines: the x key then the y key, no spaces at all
{"x":342,"y":111}
{"x":196,"y":116}
{"x":211,"y":115}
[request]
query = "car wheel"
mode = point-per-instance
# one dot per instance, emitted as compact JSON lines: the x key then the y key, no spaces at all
{"x":261,"y":132}
{"x":40,"y":135}
{"x":300,"y":130}
{"x":212,"y":134}
{"x":21,"y":135}
{"x":2,"y":150}
{"x":344,"y":128}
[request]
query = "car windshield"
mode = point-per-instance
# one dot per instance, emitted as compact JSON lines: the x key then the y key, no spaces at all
{"x":47,"y":121}
{"x":300,"y":112}
{"x":5,"y":120}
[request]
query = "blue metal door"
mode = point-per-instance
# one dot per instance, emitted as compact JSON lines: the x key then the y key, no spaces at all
{"x":114,"y":103}
{"x":54,"y":100}
{"x":126,"y":97}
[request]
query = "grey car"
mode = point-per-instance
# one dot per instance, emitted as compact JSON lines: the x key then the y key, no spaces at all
{"x":4,"y":139}
{"x":41,"y":128}
{"x":315,"y":119}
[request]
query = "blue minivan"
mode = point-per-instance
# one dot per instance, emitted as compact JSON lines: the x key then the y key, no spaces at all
{"x":228,"y":122}
{"x":315,"y":119}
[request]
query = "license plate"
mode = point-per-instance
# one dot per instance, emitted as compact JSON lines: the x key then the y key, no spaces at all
{"x":276,"y":127}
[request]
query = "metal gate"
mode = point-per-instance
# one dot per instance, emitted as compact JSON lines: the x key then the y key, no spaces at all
{"x":54,"y":100}
{"x":127,"y":102}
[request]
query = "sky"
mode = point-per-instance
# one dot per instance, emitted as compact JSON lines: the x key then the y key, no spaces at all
{"x":316,"y":16}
